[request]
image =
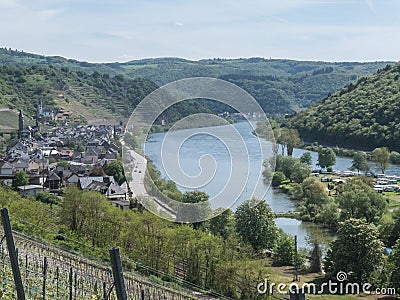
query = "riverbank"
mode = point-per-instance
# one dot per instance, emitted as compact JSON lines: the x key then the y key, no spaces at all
{"x":347,"y":152}
{"x":210,"y":122}
{"x":288,"y":215}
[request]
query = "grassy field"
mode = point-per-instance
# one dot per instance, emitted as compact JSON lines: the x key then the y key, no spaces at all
{"x":9,"y":119}
{"x":394,"y":200}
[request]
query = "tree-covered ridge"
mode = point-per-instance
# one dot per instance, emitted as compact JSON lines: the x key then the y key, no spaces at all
{"x":279,"y":85}
{"x":86,"y":95}
{"x":363,"y":115}
{"x":17,"y":58}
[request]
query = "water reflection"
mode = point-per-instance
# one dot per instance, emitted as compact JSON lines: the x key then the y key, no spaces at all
{"x":306,"y":232}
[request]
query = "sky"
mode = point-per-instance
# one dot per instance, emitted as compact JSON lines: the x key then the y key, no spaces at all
{"x":118,"y":30}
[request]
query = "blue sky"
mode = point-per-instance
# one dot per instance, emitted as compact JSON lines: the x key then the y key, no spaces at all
{"x":117,"y":30}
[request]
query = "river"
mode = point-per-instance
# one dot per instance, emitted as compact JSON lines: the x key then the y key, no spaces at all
{"x":196,"y":146}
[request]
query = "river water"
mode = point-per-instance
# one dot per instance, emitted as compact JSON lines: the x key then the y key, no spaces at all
{"x":196,"y":146}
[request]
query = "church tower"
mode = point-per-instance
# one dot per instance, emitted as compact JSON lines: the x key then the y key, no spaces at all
{"x":20,"y":123}
{"x":40,"y":107}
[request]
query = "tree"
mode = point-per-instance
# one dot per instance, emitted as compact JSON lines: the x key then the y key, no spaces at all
{"x":115,"y":168}
{"x":389,"y":228}
{"x":382,"y":157}
{"x":285,"y":164}
{"x":278,"y":178}
{"x":284,"y":250}
{"x":255,"y":224}
{"x":21,"y":178}
{"x":89,"y":214}
{"x":316,"y":239}
{"x":360,"y":162}
{"x":358,"y":200}
{"x":131,"y":141}
{"x":315,"y":259}
{"x":395,"y":157}
{"x":195,"y":208}
{"x":46,"y":197}
{"x":306,"y":158}
{"x":97,"y":171}
{"x":267,"y":173}
{"x":356,"y":251}
{"x":329,"y":214}
{"x":70,"y":213}
{"x":326,"y":157}
{"x":300,"y":172}
{"x":223,"y":224}
{"x":289,"y":138}
{"x":262,"y":129}
{"x":314,"y":197}
{"x":394,"y":266}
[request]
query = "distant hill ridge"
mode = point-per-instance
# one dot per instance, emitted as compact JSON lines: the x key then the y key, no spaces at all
{"x":279,"y":85}
{"x":362,"y":115}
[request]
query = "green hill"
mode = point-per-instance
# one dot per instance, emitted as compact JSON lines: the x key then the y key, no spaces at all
{"x":17,"y":58}
{"x":91,"y":97}
{"x":363,"y":115}
{"x":280,"y":86}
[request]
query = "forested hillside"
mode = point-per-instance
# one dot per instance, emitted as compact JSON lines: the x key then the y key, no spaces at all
{"x":280,"y":86}
{"x":363,"y":115}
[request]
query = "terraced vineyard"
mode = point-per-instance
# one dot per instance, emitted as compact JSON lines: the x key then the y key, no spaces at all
{"x":49,"y":272}
{"x":86,"y":97}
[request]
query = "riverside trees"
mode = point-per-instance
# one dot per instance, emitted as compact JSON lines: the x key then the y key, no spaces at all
{"x":214,"y":256}
{"x":288,"y":138}
{"x":360,"y":162}
{"x":357,"y":251}
{"x":359,"y":200}
{"x":292,"y":168}
{"x":382,"y":157}
{"x":255,"y":224}
{"x":326,"y":157}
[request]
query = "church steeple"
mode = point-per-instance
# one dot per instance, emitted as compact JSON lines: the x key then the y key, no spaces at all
{"x":20,"y":123}
{"x":40,"y":107}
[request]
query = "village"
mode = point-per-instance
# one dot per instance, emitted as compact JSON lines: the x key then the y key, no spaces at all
{"x":51,"y":160}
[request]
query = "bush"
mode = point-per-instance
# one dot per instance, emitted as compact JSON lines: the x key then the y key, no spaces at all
{"x":395,"y":157}
{"x":47,"y":198}
{"x":278,"y":178}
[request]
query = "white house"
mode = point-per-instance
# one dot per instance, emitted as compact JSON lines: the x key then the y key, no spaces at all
{"x":30,"y":189}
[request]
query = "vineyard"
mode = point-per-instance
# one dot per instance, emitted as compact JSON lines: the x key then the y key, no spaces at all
{"x":49,"y":272}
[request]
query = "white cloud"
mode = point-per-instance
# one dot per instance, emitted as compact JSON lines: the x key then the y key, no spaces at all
{"x":8,"y":2}
{"x":125,"y":57}
{"x":47,"y":13}
{"x":370,"y":4}
{"x":108,"y":30}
